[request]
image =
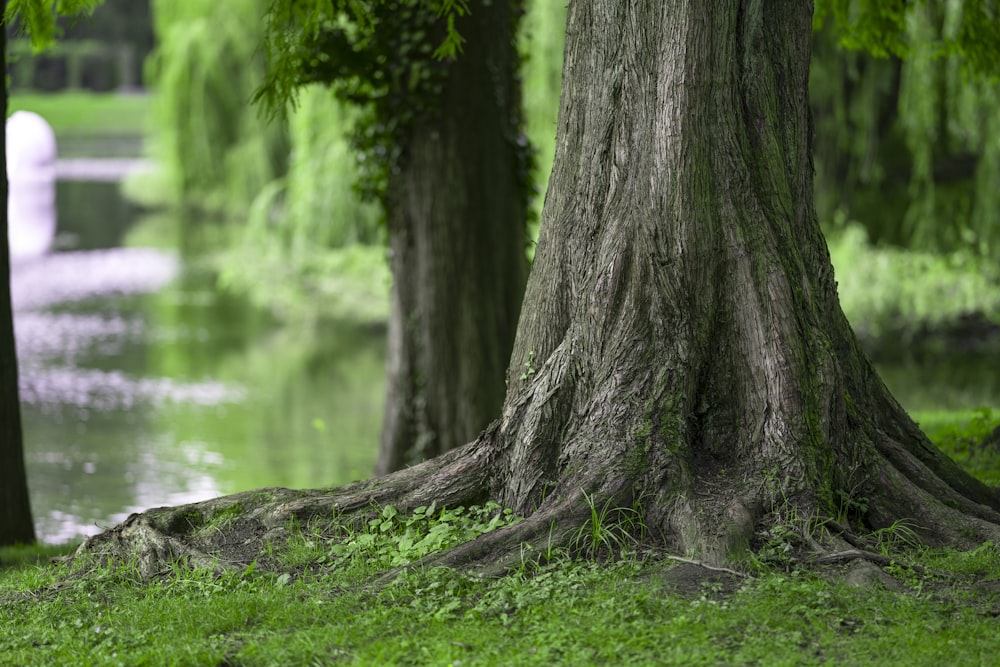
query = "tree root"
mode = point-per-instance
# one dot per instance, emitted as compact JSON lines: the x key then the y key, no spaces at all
{"x":878,"y":559}
{"x":713,"y":568}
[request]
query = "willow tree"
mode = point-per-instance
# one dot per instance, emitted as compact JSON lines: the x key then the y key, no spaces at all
{"x":441,"y":148}
{"x":906,"y":135}
{"x":216,"y":149}
{"x":681,"y":349}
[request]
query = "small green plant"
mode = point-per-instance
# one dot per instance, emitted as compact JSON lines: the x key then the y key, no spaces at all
{"x":900,"y":535}
{"x":781,"y":545}
{"x":608,"y":530}
{"x":529,"y":366}
{"x":780,"y":542}
{"x":392,"y":539}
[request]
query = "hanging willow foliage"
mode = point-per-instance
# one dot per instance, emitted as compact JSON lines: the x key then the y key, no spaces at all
{"x":37,"y":18}
{"x":216,"y":149}
{"x":908,"y":146}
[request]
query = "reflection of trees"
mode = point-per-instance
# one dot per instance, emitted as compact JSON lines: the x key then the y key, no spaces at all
{"x":292,"y":375}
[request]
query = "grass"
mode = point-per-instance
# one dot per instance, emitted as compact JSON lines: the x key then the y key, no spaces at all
{"x":893,"y":294}
{"x":91,"y":124}
{"x":322,"y":609}
{"x":570,"y":612}
{"x":85,"y":113}
{"x":960,"y":435}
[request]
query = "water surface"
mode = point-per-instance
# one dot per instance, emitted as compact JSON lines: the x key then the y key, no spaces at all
{"x":144,"y":385}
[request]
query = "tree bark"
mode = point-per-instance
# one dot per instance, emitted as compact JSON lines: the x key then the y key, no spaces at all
{"x":682,"y":314}
{"x":681,"y":350}
{"x":16,"y":525}
{"x":457,"y":217}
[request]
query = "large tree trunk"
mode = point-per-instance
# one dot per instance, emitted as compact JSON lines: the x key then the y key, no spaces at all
{"x":16,"y":525}
{"x":681,"y":350}
{"x":457,"y":218}
{"x":682,"y":315}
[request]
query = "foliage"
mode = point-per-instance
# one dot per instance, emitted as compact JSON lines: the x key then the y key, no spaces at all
{"x":218,"y":152}
{"x":351,"y":282}
{"x":884,"y":29}
{"x":38,"y":17}
{"x":891,"y":294}
{"x":308,"y":231}
{"x":543,"y":31}
{"x":391,"y":539}
{"x":907,"y":146}
{"x":608,"y":531}
{"x":388,"y":57}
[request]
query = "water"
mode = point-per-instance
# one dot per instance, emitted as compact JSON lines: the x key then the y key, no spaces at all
{"x":143,"y":385}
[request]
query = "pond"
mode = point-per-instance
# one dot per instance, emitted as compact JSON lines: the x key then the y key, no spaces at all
{"x":144,"y":385}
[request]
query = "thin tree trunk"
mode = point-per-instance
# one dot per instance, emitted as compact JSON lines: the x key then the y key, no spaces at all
{"x":16,"y":525}
{"x":457,"y":217}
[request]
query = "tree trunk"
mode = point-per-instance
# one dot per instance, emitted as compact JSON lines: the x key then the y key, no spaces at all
{"x":682,"y":320}
{"x":681,"y":350}
{"x":16,"y":525}
{"x":457,"y":216}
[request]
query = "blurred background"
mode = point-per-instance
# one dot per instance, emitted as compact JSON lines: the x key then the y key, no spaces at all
{"x":210,"y":315}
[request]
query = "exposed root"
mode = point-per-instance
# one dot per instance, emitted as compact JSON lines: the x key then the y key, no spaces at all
{"x":549,"y":529}
{"x":713,"y":568}
{"x":235,"y":531}
{"x":878,"y":559}
{"x":150,"y":550}
{"x":456,"y":478}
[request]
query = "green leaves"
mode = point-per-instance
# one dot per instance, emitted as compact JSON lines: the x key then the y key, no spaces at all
{"x":38,"y":17}
{"x":885,"y":28}
{"x":452,"y":44}
{"x":392,"y":539}
{"x":386,"y":56}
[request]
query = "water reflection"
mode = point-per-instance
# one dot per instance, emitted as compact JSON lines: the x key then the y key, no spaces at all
{"x":143,"y":385}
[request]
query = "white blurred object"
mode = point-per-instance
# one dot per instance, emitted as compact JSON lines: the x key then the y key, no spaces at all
{"x":31,"y":172}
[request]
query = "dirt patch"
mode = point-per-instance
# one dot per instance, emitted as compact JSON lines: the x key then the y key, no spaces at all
{"x":690,"y":580}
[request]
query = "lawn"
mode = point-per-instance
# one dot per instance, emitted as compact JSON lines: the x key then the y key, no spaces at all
{"x":316,"y":603}
{"x":90,"y":124}
{"x":87,"y":113}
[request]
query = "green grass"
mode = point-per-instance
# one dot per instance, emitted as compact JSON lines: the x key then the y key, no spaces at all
{"x":321,"y":608}
{"x":892,"y":294}
{"x":87,"y":113}
{"x":960,"y":436}
{"x":571,"y":612}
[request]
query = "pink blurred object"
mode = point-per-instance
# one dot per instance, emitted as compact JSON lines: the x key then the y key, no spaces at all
{"x":31,"y":172}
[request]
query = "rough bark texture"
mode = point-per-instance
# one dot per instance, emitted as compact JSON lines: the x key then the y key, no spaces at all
{"x":682,"y":315}
{"x":681,"y":347}
{"x":16,"y":525}
{"x":457,"y":210}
